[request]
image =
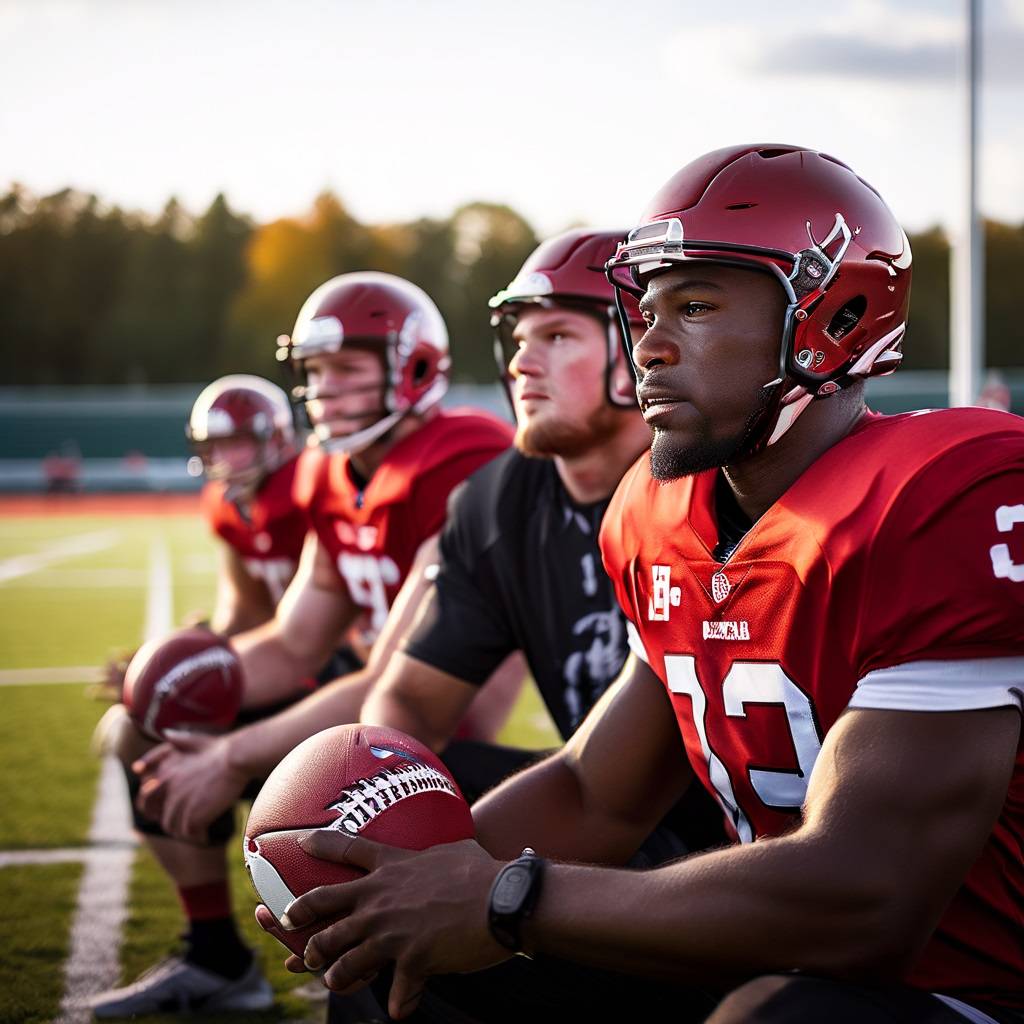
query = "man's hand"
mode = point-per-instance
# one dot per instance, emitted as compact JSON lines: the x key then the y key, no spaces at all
{"x":424,"y":912}
{"x":187,"y":782}
{"x":110,"y":684}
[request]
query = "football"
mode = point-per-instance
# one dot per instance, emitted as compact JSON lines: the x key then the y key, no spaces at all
{"x":189,"y":679}
{"x":355,"y":779}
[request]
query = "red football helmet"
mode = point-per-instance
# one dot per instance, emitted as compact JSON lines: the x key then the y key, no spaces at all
{"x":388,"y":315}
{"x":240,"y":406}
{"x":567,"y":270}
{"x":825,"y":234}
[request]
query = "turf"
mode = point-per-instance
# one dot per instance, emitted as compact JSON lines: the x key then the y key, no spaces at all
{"x":529,"y":725}
{"x":57,"y":616}
{"x":48,"y":777}
{"x":38,"y":902}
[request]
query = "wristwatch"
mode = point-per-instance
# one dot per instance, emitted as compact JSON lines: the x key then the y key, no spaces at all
{"x":514,"y":894}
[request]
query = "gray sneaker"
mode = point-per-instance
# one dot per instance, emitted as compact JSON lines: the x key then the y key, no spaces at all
{"x":176,"y":986}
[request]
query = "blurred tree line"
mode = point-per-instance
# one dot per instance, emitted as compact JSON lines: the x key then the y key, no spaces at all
{"x":93,"y":294}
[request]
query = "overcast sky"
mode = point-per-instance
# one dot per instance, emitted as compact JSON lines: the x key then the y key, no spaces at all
{"x":567,"y":111}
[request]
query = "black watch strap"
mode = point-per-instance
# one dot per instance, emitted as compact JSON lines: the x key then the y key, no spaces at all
{"x":514,"y":894}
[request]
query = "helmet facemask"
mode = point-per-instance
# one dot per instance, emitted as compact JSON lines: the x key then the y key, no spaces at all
{"x":387,"y":413}
{"x":806,"y":372}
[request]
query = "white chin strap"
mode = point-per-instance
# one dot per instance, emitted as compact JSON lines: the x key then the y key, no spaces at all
{"x":352,"y":444}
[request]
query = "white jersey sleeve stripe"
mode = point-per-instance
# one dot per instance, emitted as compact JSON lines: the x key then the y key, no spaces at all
{"x":636,"y":645}
{"x":967,"y":685}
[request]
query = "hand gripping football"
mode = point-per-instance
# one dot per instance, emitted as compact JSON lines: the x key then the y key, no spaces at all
{"x":356,"y":779}
{"x":189,"y":679}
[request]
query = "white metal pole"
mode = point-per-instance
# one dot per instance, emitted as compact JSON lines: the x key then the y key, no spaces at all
{"x":967,"y":256}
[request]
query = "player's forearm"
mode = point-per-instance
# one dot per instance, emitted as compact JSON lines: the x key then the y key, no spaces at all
{"x":388,"y":708}
{"x":273,"y":668}
{"x":776,"y":905}
{"x":545,"y":808}
{"x":258,"y":748}
{"x":231,"y":620}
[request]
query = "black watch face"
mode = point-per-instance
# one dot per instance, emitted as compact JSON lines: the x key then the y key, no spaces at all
{"x":511,"y":888}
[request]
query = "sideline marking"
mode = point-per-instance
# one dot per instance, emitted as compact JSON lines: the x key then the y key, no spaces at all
{"x":93,"y":963}
{"x":67,"y":547}
{"x":46,"y":676}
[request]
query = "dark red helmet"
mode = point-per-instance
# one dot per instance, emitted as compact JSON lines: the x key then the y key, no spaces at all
{"x":567,"y":270}
{"x":824,"y":233}
{"x":241,"y":405}
{"x":389,"y":315}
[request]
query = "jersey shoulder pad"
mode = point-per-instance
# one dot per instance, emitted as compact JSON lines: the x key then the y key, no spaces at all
{"x":626,"y":511}
{"x":309,"y":475}
{"x":446,"y":438}
{"x":213,"y":505}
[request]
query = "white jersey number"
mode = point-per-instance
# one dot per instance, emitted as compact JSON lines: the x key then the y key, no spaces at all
{"x":274,"y":573}
{"x":752,"y":682}
{"x":1003,"y":565}
{"x":367,"y":578}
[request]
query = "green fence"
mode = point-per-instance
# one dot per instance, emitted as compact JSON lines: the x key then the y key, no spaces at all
{"x":134,"y":439}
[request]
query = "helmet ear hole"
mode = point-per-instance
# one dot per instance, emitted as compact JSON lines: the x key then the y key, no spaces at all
{"x":847,"y":318}
{"x":420,"y":370}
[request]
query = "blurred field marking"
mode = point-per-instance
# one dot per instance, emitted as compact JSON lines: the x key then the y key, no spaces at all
{"x":94,"y":962}
{"x":48,"y":676}
{"x":86,"y":578}
{"x":64,"y":854}
{"x":160,"y":595}
{"x":67,"y":547}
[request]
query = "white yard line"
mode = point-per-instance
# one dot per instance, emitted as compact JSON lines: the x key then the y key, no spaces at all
{"x":58,"y":551}
{"x":93,"y":962}
{"x":88,"y":579}
{"x":63,"y":855}
{"x":160,"y":595}
{"x":45,"y":676}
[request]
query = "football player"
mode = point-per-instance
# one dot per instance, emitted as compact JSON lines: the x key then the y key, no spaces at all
{"x":371,"y":351}
{"x":826,"y":611}
{"x":243,"y":436}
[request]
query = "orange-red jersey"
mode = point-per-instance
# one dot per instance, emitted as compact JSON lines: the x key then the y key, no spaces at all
{"x":889,"y":575}
{"x":373,"y":530}
{"x":268,"y":538}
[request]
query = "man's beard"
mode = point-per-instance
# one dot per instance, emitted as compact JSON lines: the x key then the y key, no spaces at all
{"x":558,"y":437}
{"x":669,"y":461}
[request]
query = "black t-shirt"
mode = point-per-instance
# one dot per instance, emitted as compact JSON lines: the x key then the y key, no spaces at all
{"x":521,"y":570}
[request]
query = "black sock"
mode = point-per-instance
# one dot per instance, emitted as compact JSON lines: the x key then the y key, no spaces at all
{"x":216,"y":946}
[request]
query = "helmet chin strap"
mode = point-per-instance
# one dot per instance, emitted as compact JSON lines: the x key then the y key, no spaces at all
{"x":353,"y":444}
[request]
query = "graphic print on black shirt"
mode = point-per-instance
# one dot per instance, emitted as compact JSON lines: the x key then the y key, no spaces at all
{"x":521,"y":570}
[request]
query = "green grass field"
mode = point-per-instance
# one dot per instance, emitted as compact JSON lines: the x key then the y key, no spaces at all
{"x":61,"y":609}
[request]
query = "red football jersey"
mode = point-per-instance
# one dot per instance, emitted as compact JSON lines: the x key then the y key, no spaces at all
{"x":373,"y":533}
{"x":269,"y":541}
{"x":889,"y":575}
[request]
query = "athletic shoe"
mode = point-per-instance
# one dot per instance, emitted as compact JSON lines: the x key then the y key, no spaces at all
{"x":176,"y":986}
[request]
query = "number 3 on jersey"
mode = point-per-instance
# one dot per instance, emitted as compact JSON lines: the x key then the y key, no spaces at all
{"x":750,"y":682}
{"x":367,"y":578}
